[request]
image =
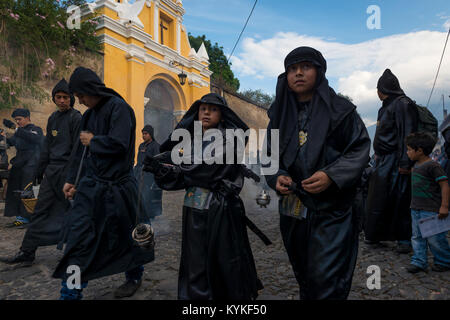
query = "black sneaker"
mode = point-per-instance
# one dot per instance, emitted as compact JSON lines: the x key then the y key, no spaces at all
{"x":22,"y":258}
{"x":403,"y":248}
{"x":439,"y":268}
{"x":415,"y":269}
{"x":127,"y":289}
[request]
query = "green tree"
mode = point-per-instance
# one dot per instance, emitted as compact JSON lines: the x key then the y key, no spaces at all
{"x":36,"y":43}
{"x":222,"y":74}
{"x":259,"y":97}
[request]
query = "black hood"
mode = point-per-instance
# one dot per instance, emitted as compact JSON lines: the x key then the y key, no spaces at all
{"x":327,"y":109}
{"x":307,"y":54}
{"x":389,"y":84}
{"x":230,"y":120}
{"x":87,"y":82}
{"x":63,"y":86}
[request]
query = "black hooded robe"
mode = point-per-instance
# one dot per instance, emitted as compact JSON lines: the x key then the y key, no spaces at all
{"x":389,"y":196}
{"x":151,"y":194}
{"x":216,"y":258}
{"x":28,"y":142}
{"x":322,"y":247}
{"x":62,"y":135}
{"x":104,"y":211}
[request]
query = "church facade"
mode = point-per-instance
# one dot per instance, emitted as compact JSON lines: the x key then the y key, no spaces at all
{"x":146,"y":56}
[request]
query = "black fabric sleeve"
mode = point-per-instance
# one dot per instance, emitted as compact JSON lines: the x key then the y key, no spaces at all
{"x":119,"y":136}
{"x":347,"y":169}
{"x":272,"y":179}
{"x":406,"y":123}
{"x":30,"y":136}
{"x":44,"y":157}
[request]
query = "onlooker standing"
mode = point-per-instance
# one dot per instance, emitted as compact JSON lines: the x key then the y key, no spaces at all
{"x":388,"y":215}
{"x":27,"y":140}
{"x":430,"y":196}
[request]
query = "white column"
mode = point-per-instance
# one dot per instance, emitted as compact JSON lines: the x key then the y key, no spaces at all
{"x":179,"y":35}
{"x":156,"y":20}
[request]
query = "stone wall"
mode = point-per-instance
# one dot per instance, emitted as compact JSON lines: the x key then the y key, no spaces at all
{"x":253,"y":115}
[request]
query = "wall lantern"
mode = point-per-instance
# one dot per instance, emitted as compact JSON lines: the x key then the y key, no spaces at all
{"x":181,"y":76}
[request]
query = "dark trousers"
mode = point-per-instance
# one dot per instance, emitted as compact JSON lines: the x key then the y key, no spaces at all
{"x":322,"y":250}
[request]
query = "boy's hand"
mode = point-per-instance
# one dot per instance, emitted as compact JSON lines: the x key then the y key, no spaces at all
{"x":283,"y":184}
{"x":317,"y":183}
{"x":443,"y":212}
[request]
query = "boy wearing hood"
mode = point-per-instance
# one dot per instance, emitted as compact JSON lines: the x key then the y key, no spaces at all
{"x":389,"y":196}
{"x":323,"y":150}
{"x":62,"y":135}
{"x":27,"y":140}
{"x":103,"y":214}
{"x":216,"y":258}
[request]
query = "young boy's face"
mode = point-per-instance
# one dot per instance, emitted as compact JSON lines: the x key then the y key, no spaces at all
{"x":209,"y":115}
{"x":414,"y":155}
{"x":301,"y":77}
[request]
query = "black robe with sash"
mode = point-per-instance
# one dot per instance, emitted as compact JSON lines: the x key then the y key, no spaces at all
{"x":323,"y":245}
{"x":47,"y":219}
{"x":216,"y":258}
{"x":104,"y":211}
{"x":389,"y":198}
{"x":151,"y":194}
{"x":28,"y":142}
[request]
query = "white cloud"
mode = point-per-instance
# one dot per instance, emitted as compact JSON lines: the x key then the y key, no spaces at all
{"x":413,"y":57}
{"x":447,"y":24}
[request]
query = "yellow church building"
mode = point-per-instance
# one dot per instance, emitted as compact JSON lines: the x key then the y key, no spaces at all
{"x":149,"y":61}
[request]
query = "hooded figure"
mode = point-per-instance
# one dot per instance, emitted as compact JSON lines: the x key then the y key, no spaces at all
{"x":216,"y":258}
{"x":103,"y":215}
{"x":389,"y":196}
{"x":150,"y":193}
{"x":320,"y":136}
{"x":62,"y":135}
{"x":27,"y":140}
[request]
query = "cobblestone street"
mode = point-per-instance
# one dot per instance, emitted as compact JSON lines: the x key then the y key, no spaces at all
{"x":160,"y":278}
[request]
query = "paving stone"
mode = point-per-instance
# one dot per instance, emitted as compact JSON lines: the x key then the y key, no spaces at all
{"x":272,"y":264}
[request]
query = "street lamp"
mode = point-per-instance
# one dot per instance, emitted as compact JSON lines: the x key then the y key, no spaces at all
{"x":181,"y":76}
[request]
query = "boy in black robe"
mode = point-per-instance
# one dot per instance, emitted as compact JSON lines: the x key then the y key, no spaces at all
{"x":216,"y":258}
{"x":389,"y":197}
{"x":47,"y":219}
{"x":103,"y":215}
{"x":151,"y":194}
{"x":27,"y":140}
{"x":323,"y":150}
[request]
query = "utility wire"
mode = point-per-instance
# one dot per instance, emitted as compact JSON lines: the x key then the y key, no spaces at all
{"x":439,"y":68}
{"x":251,"y":12}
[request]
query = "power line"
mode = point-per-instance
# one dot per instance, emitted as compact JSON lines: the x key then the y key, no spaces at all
{"x":251,"y":12}
{"x":439,"y":68}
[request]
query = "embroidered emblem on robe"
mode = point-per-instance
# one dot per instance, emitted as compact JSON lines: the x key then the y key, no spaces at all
{"x":54,"y":133}
{"x":302,"y":137}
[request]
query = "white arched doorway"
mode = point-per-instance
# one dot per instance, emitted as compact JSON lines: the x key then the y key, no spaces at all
{"x":161,"y":100}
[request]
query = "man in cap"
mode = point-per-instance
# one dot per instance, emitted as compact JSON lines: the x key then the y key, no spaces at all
{"x":27,"y":140}
{"x":62,"y":135}
{"x":389,"y":197}
{"x":323,"y":150}
{"x":103,"y":215}
{"x":151,"y":194}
